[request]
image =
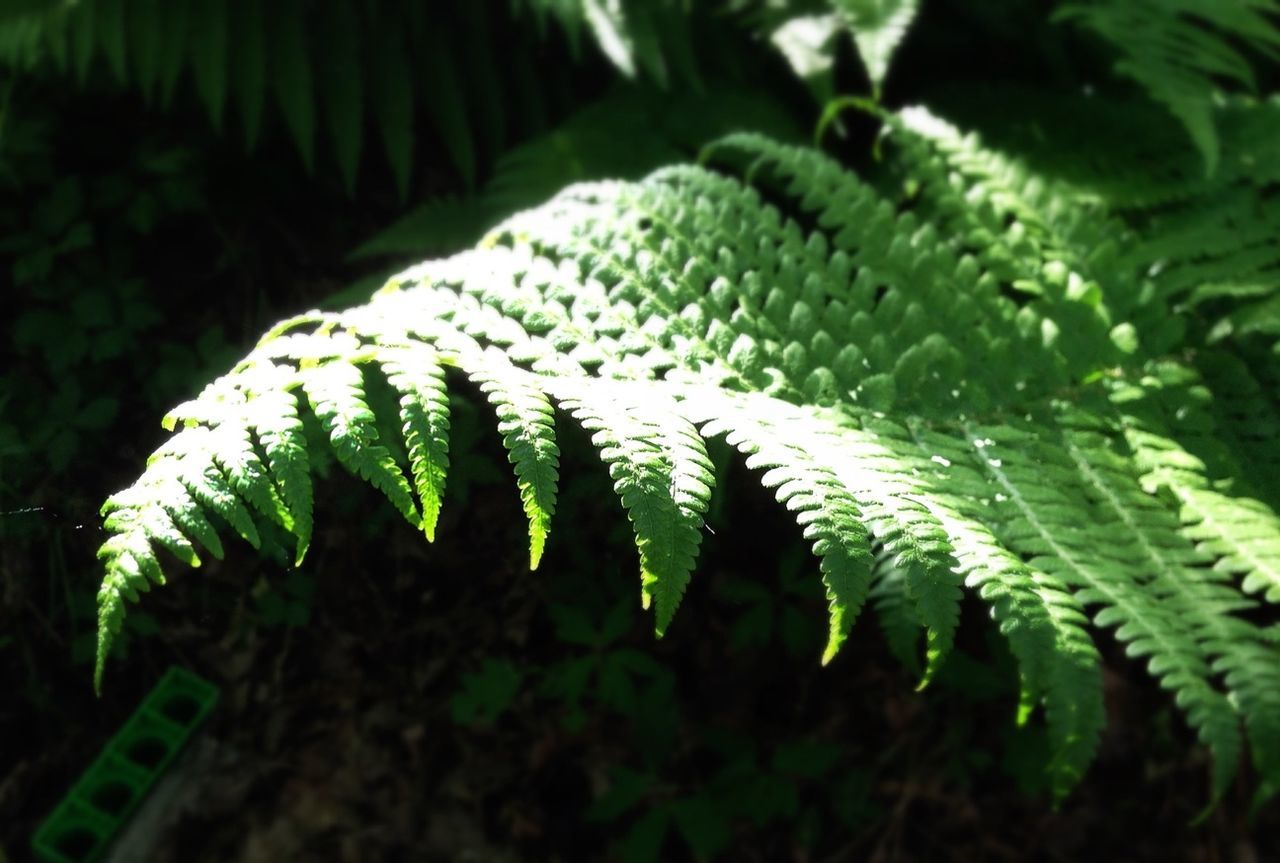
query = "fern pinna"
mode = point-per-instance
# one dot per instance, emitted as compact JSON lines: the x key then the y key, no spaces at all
{"x":976,"y":381}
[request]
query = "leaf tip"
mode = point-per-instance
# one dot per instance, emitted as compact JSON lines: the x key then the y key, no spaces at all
{"x":537,"y":543}
{"x":834,"y":642}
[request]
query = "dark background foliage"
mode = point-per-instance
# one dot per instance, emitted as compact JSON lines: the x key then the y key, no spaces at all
{"x":391,"y":700}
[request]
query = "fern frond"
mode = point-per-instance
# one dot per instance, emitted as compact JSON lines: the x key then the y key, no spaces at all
{"x":325,"y":66}
{"x":807,"y":37}
{"x":878,"y":28}
{"x":662,"y":474}
{"x":1034,"y":607}
{"x":1169,"y":570}
{"x":624,"y":135}
{"x":140,"y":518}
{"x":336,"y":392}
{"x":1177,"y":51}
{"x":525,"y":420}
{"x":1243,"y":535}
{"x":208,"y":484}
{"x":902,"y":630}
{"x":824,"y":508}
{"x":1045,"y":493}
{"x":418,"y":376}
{"x":272,"y":417}
{"x":974,"y":384}
{"x":1182,"y":447}
{"x":637,"y":36}
{"x":231,"y":446}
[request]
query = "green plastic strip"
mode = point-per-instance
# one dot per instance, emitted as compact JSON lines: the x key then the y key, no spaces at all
{"x":101,"y":802}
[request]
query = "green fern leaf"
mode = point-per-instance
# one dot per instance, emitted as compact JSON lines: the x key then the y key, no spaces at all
{"x":137,"y":509}
{"x":209,"y":54}
{"x":484,"y":86}
{"x":662,"y":474}
{"x":291,"y":76}
{"x":528,"y":434}
{"x":1242,"y":534}
{"x":230,"y":444}
{"x":608,"y":22}
{"x":249,"y":67}
{"x":965,"y":372}
{"x":1166,"y":632}
{"x":130,"y":565}
{"x":272,"y":415}
{"x":81,"y":40}
{"x":448,"y":112}
{"x":176,"y":18}
{"x":206,"y":482}
{"x":418,"y":376}
{"x":1044,"y":623}
{"x":878,"y":27}
{"x":825,"y":510}
{"x":1175,"y":51}
{"x":902,"y":629}
{"x":339,"y":78}
{"x":109,"y":26}
{"x":146,"y":45}
{"x":336,"y":391}
{"x":392,"y":93}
